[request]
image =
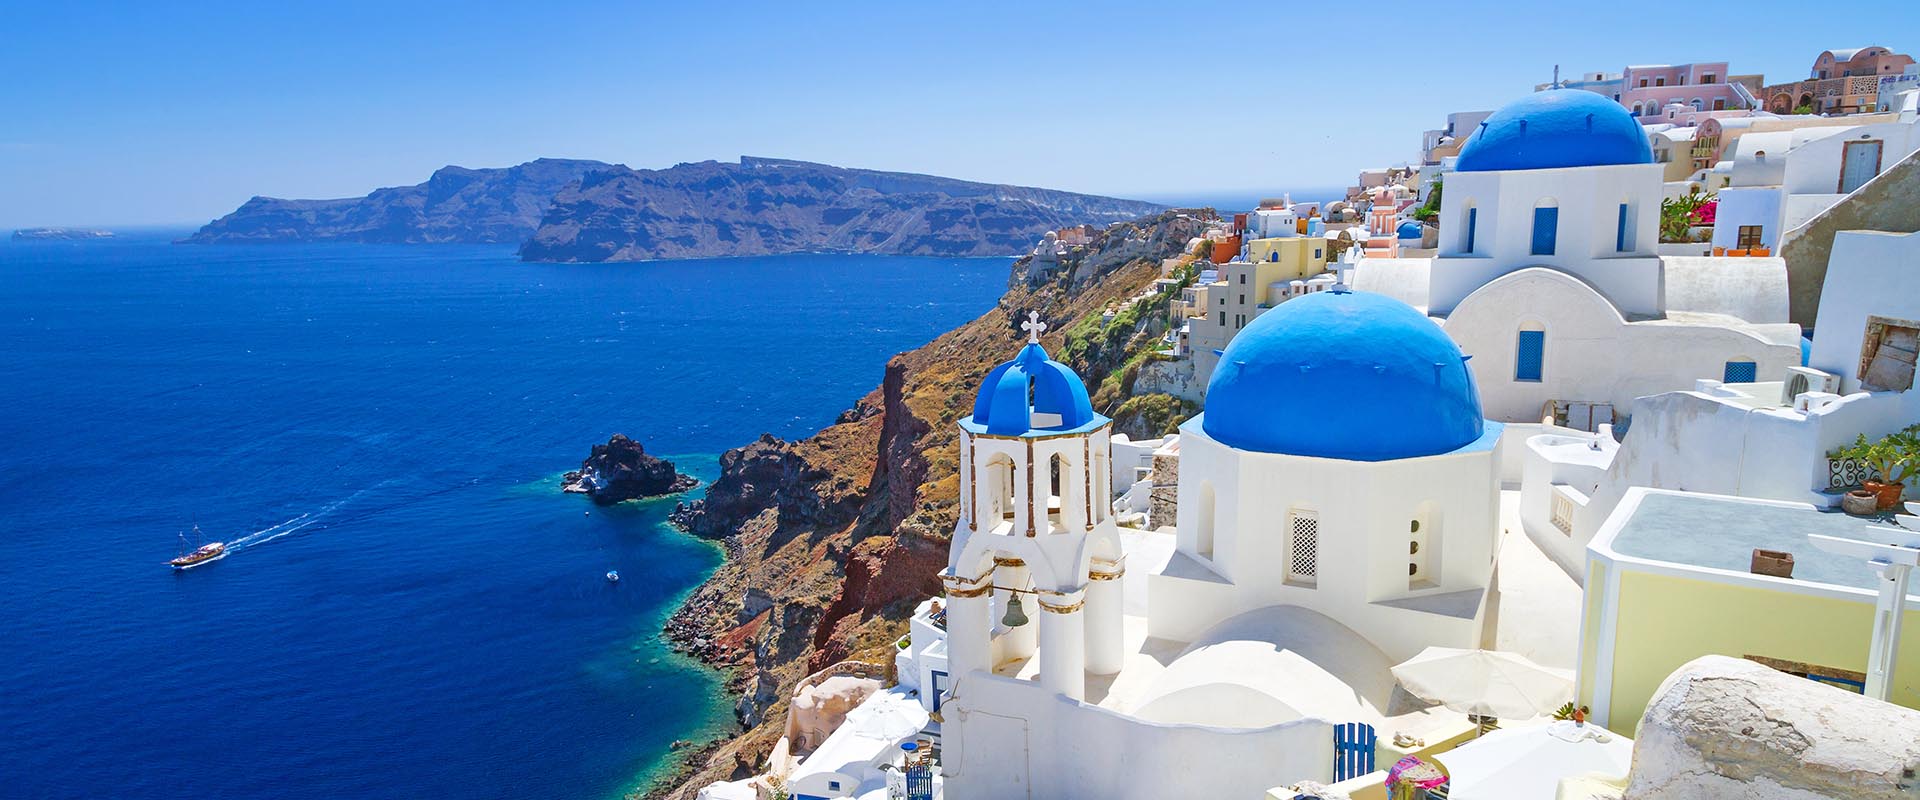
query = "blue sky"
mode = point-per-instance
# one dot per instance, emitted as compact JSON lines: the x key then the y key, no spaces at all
{"x":177,"y":113}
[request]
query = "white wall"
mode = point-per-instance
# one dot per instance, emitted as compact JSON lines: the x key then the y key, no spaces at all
{"x":1365,"y":510}
{"x":1814,"y":166}
{"x":1754,"y":205}
{"x":1588,"y":198}
{"x":1006,"y":739}
{"x":1592,"y":353}
{"x":1868,"y":273}
{"x":1129,"y":457}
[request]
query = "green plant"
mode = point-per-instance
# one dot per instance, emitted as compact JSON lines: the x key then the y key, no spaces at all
{"x":1678,"y":214}
{"x":1895,"y":456}
{"x":1804,"y":108}
{"x":1430,"y":210}
{"x":1568,"y":711}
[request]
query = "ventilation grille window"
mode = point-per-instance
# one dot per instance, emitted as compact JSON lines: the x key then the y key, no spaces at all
{"x":1303,"y":562}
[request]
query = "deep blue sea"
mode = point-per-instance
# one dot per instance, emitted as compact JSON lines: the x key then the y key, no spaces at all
{"x":412,"y":609}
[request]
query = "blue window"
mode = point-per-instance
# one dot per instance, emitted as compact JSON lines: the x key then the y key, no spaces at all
{"x":1528,"y":356}
{"x":1546,"y":228}
{"x":1620,"y":242}
{"x":1740,"y":372}
{"x":1473,"y":222}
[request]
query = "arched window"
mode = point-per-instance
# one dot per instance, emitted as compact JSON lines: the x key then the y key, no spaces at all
{"x":1546,"y":226}
{"x":1063,"y":492}
{"x":1530,"y":353}
{"x":1698,"y":104}
{"x":998,"y":485}
{"x":1203,"y":523}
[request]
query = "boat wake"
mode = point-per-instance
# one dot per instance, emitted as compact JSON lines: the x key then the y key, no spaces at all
{"x":330,"y":515}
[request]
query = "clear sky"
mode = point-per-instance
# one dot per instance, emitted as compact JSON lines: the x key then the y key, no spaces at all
{"x":178,"y":112}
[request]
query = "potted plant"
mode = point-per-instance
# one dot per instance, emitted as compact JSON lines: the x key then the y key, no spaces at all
{"x":1894,"y":457}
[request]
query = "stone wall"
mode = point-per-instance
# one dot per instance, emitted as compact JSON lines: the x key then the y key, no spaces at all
{"x":1165,"y":498}
{"x":1170,"y":377}
{"x":1889,"y":202}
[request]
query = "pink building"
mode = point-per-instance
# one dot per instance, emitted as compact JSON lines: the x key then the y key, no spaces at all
{"x":1647,"y":90}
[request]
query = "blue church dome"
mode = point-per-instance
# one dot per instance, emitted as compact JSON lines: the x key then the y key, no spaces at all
{"x":1410,"y":230}
{"x":1032,"y":385}
{"x":1342,"y":374}
{"x":1556,"y":128}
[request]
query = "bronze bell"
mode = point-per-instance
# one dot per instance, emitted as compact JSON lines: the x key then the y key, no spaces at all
{"x":1016,"y":615}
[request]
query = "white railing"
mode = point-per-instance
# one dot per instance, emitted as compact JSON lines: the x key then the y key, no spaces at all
{"x":1562,"y":514}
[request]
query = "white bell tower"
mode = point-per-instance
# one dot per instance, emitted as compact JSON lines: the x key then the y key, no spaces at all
{"x":1035,"y":564}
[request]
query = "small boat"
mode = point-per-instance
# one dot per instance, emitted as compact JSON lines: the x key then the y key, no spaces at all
{"x":204,"y":554}
{"x":613,"y":576}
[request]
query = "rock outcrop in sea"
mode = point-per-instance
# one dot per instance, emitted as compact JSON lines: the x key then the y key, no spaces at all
{"x":622,"y":470}
{"x":455,"y":205}
{"x":764,"y":206}
{"x":831,"y":539}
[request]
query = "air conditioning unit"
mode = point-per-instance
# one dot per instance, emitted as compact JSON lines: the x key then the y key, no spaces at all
{"x":1801,"y":380}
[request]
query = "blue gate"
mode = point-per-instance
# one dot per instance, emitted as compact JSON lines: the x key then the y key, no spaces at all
{"x":1353,"y":744}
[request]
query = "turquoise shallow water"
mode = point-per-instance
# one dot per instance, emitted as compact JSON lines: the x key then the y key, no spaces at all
{"x":414,"y":610}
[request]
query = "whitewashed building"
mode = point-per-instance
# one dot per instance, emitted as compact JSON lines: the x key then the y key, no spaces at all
{"x":1317,"y":544}
{"x":1549,"y":272}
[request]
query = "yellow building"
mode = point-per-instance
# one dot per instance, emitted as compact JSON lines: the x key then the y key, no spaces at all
{"x":1247,"y":287}
{"x":1668,"y":581}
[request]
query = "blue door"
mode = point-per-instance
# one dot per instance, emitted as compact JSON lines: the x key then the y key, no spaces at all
{"x":939,"y":688}
{"x":1353,"y":744}
{"x":1546,"y":230}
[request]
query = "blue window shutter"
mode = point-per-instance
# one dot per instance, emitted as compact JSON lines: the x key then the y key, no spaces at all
{"x":1740,"y":372}
{"x":1620,"y":238}
{"x":1546,"y":229}
{"x":1473,"y":220}
{"x":1529,"y":355}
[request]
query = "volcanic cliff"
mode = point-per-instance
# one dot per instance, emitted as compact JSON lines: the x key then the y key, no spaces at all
{"x":831,"y":540}
{"x":762,"y":206}
{"x":456,"y":204}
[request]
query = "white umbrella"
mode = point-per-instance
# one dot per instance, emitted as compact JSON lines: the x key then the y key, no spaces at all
{"x":1487,"y":683}
{"x":887,"y":716}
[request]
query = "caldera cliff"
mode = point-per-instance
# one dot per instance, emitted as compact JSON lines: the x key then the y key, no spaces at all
{"x":763,"y":206}
{"x":831,"y":540}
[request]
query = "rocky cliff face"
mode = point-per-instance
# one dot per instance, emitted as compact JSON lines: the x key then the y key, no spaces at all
{"x":622,"y":470}
{"x":763,"y":206}
{"x":830,"y":540}
{"x":455,"y":205}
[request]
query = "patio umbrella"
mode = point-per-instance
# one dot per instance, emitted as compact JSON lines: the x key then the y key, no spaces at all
{"x":1485,"y":683}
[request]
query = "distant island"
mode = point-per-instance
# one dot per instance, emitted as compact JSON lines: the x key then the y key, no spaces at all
{"x":59,"y":234}
{"x":455,"y":205}
{"x":574,"y":210}
{"x":763,"y":206}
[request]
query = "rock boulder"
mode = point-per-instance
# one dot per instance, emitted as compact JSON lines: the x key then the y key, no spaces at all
{"x":1723,"y":728}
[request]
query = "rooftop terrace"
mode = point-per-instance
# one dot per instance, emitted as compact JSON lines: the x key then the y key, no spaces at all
{"x":1720,"y":533}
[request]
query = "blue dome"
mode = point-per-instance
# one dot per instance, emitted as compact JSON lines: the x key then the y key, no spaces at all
{"x":1032,"y":384}
{"x":1342,"y":374}
{"x":1410,"y":230}
{"x":1555,"y":128}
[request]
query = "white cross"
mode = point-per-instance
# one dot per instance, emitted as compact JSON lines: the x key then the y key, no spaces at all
{"x":1033,"y":326}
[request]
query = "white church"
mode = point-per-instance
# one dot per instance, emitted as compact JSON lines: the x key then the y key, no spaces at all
{"x":1319,"y":543}
{"x":1549,"y":272}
